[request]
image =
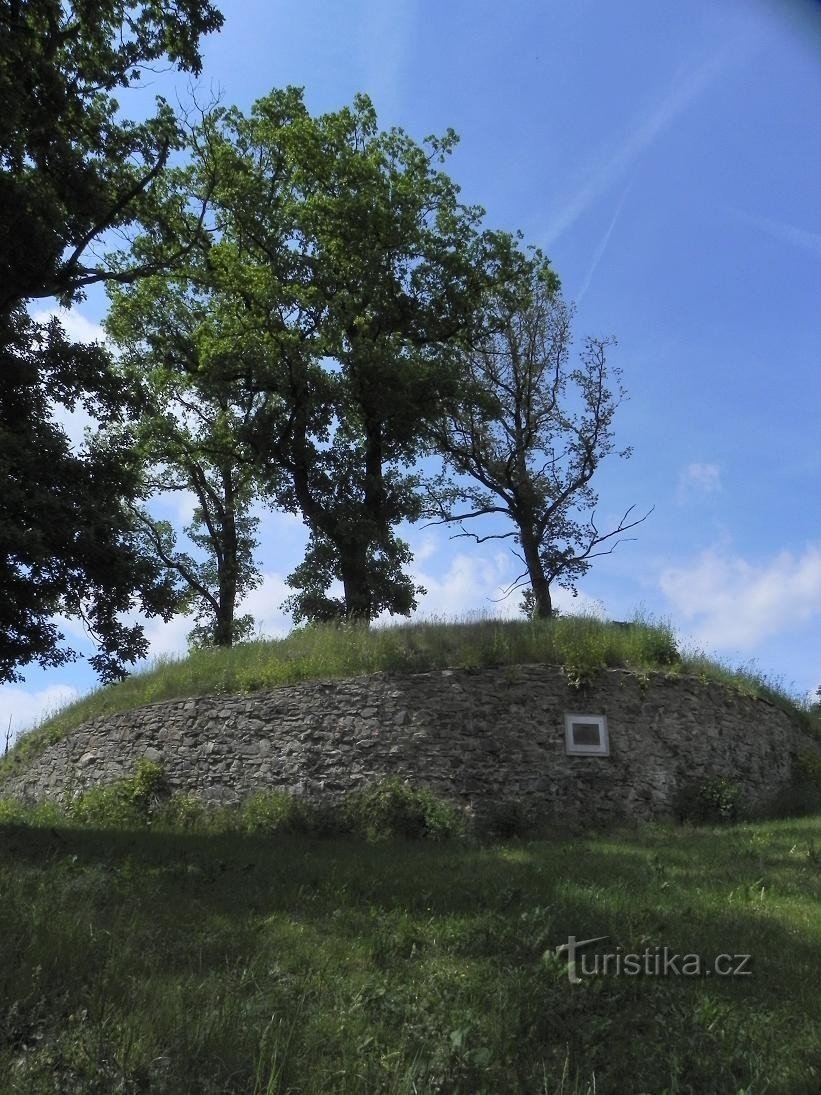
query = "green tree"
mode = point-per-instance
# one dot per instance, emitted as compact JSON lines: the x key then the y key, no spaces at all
{"x":70,"y":170}
{"x":70,"y":167}
{"x":344,"y":271}
{"x":526,"y":437}
{"x":67,"y":542}
{"x":187,"y":438}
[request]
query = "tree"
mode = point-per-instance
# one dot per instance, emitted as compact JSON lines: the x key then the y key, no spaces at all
{"x":186,"y":438}
{"x":66,"y":536}
{"x":527,"y":435}
{"x":70,"y":167}
{"x":343,"y":271}
{"x":71,"y":170}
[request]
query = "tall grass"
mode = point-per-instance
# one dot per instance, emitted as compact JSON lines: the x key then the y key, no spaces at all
{"x":583,"y":645}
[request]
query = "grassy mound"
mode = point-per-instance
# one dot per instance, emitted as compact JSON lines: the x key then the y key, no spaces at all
{"x":583,"y":645}
{"x":172,"y":962}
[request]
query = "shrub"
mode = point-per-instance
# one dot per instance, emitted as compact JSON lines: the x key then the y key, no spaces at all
{"x":126,"y":802}
{"x":182,"y":812}
{"x":274,"y":812}
{"x":15,"y":812}
{"x":391,"y":808}
{"x":717,"y":799}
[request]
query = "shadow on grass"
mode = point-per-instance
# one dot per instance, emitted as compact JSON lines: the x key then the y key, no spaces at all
{"x":436,"y":950}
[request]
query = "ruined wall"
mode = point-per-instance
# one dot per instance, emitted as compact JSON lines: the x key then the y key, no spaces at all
{"x":480,"y":737}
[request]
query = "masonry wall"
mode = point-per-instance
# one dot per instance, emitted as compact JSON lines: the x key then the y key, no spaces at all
{"x":480,"y":737}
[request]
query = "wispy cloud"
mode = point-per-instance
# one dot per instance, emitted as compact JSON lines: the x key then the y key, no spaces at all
{"x":698,"y":479}
{"x":602,"y":247}
{"x":780,"y":230}
{"x":475,"y":583}
{"x":611,"y":164}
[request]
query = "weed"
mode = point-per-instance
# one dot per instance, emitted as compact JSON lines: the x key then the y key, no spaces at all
{"x":392,"y":808}
{"x":124,"y":803}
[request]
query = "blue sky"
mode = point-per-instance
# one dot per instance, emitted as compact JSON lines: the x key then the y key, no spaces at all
{"x":667,"y":157}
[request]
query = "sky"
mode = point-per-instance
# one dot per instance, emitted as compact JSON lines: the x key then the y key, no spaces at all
{"x":667,"y":159}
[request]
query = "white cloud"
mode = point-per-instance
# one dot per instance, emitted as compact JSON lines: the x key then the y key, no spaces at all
{"x":734,"y":603}
{"x":698,"y":479}
{"x":23,"y":709}
{"x":472,"y":583}
{"x":75,"y":324}
{"x":171,"y":638}
{"x":264,"y":605}
{"x":475,"y":585}
{"x":167,"y":638}
{"x":427,"y":546}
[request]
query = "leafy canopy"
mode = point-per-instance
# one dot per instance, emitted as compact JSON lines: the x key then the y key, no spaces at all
{"x":342,"y":272}
{"x":71,"y":169}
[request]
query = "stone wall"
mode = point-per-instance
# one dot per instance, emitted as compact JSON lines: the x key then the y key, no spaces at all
{"x":480,"y":737}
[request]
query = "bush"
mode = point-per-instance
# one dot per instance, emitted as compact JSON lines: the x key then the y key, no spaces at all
{"x":125,"y":803}
{"x":15,"y":812}
{"x":274,"y":812}
{"x":182,"y":812}
{"x":716,"y":800}
{"x":391,"y":808}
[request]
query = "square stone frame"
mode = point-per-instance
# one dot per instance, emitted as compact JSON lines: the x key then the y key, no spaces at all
{"x":574,"y":750}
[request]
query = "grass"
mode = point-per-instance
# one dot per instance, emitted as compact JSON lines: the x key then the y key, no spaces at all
{"x":584,"y":645}
{"x":171,"y":962}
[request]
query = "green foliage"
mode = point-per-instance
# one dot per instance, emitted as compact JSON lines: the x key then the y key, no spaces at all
{"x":809,"y":767}
{"x":182,"y":812}
{"x":72,"y":169}
{"x":128,"y":802}
{"x":15,"y":812}
{"x":330,"y":295}
{"x":391,"y":808}
{"x":270,"y":812}
{"x":188,"y":438}
{"x":803,"y":796}
{"x":63,"y":513}
{"x":715,"y":800}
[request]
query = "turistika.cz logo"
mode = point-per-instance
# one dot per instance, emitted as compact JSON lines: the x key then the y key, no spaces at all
{"x":656,"y":961}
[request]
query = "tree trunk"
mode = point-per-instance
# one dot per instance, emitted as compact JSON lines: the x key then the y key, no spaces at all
{"x":538,"y":582}
{"x":354,"y":570}
{"x":224,"y":625}
{"x":227,"y":564}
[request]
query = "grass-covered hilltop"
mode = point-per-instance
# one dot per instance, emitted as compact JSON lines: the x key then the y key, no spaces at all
{"x":149,"y":944}
{"x":583,"y":645}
